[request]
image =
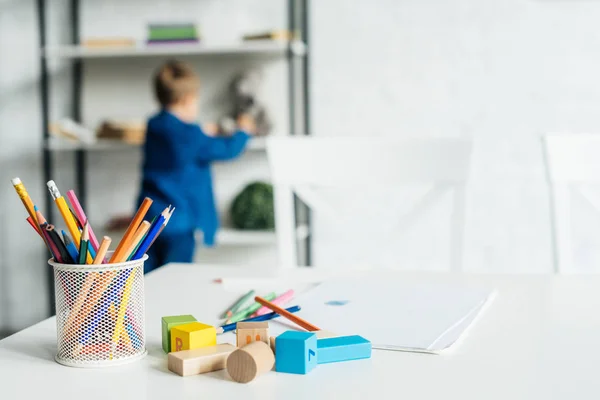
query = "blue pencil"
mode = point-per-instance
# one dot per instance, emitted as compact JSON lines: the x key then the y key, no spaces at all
{"x":152,"y":232}
{"x":264,"y":317}
{"x":70,"y":246}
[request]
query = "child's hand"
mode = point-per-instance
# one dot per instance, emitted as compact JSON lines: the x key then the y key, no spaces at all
{"x":246,"y":123}
{"x":210,"y":129}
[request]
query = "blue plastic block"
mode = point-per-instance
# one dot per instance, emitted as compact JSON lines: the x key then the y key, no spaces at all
{"x":295,"y":352}
{"x":344,"y":348}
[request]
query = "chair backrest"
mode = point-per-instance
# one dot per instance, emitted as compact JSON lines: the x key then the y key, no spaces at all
{"x":299,"y":164}
{"x":572,"y":165}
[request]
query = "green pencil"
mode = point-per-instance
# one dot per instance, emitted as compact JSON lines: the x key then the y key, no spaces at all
{"x":83,"y":245}
{"x":244,"y":313}
{"x":238,"y":304}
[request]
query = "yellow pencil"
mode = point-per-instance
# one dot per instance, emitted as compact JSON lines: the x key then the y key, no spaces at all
{"x":67,"y":216}
{"x":120,"y":324}
{"x":24,"y":196}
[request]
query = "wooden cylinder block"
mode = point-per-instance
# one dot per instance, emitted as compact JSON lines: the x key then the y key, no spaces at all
{"x":246,"y":363}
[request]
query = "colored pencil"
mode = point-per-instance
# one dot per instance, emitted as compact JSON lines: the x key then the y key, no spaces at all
{"x":152,"y":223}
{"x":51,"y":245}
{"x":297,"y":320}
{"x":104,"y":245}
{"x":280,"y":300}
{"x":246,"y":312}
{"x":32,"y":223}
{"x":65,"y":211}
{"x":153,"y":232}
{"x":62,"y":249}
{"x":82,"y":217}
{"x":70,"y":246}
{"x":83,"y":246}
{"x":264,"y":317}
{"x":124,"y":244}
{"x":27,"y":202}
{"x":130,"y":277}
{"x":238,"y":304}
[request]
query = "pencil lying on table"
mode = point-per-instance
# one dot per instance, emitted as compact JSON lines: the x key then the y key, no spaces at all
{"x":285,"y":314}
{"x":264,"y":317}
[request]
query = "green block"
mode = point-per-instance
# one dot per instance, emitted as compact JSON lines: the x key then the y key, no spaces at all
{"x":168,"y":323}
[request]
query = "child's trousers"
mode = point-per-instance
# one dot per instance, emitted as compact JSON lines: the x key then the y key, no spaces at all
{"x":170,"y":248}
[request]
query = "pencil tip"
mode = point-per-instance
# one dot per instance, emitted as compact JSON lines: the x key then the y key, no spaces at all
{"x":16,"y":181}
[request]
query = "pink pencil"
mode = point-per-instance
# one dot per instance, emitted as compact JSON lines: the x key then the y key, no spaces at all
{"x":281,"y":300}
{"x":82,"y":218}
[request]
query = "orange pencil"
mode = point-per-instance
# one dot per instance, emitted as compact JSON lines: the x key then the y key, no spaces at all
{"x":124,"y":244}
{"x":288,"y":315}
{"x":104,"y":245}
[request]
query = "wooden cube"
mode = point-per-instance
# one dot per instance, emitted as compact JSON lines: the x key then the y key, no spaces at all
{"x":248,"y":332}
{"x":168,"y":323}
{"x":193,"y":336}
{"x":199,"y":361}
{"x":296,"y":352}
{"x":343,"y":348}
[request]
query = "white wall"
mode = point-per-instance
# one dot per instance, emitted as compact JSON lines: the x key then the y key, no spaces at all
{"x":501,"y":72}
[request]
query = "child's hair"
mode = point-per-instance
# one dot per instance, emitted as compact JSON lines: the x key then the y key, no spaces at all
{"x":173,"y":81}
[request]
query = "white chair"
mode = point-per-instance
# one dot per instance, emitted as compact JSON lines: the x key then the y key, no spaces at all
{"x":572,"y":165}
{"x":301,"y":164}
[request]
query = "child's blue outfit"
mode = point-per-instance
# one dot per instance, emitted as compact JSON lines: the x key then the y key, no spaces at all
{"x":176,"y":171}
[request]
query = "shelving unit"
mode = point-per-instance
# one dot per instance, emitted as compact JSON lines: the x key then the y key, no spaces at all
{"x":296,"y":53}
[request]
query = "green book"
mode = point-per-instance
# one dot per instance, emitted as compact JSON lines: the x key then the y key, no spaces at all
{"x":172,"y":33}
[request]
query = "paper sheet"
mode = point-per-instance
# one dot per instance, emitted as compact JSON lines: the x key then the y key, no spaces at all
{"x":394,"y":316}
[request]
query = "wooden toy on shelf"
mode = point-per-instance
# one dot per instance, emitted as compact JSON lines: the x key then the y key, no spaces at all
{"x":296,"y":352}
{"x":343,"y":348}
{"x":246,"y":363}
{"x":248,"y":332}
{"x":199,"y":361}
{"x":169,"y":323}
{"x":193,"y":336}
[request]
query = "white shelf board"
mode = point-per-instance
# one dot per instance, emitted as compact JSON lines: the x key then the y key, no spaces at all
{"x":143,"y":50}
{"x":234,"y":237}
{"x":57,"y":144}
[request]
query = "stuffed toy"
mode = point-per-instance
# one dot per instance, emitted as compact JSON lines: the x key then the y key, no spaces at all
{"x":242,"y":97}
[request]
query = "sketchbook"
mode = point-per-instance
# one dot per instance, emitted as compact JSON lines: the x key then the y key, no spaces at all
{"x":393,"y":316}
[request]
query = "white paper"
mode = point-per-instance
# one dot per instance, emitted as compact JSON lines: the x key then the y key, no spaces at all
{"x":394,"y":316}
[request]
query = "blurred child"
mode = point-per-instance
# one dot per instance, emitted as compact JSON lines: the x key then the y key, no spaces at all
{"x":176,"y":168}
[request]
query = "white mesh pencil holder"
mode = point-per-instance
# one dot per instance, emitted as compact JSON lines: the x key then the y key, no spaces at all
{"x":99,"y":313}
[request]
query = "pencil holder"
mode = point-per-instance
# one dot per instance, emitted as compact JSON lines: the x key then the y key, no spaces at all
{"x":99,"y":313}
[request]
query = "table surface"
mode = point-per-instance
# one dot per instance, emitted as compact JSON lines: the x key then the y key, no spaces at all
{"x":536,"y":340}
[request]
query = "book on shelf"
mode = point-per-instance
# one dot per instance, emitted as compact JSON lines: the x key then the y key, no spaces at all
{"x":278,"y":34}
{"x":109,"y":42}
{"x":128,"y":132}
{"x":172,"y":33}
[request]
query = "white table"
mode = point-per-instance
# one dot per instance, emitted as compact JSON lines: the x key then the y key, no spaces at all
{"x":537,"y":340}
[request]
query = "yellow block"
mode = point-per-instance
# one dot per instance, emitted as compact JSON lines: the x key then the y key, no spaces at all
{"x":193,"y":336}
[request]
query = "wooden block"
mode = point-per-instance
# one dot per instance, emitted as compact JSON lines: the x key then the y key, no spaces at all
{"x":199,"y":361}
{"x":296,"y":352}
{"x":246,"y":363}
{"x":168,"y":323}
{"x":343,"y":348}
{"x":248,"y":332}
{"x":325,"y":334}
{"x":193,"y":336}
{"x":272,"y":343}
